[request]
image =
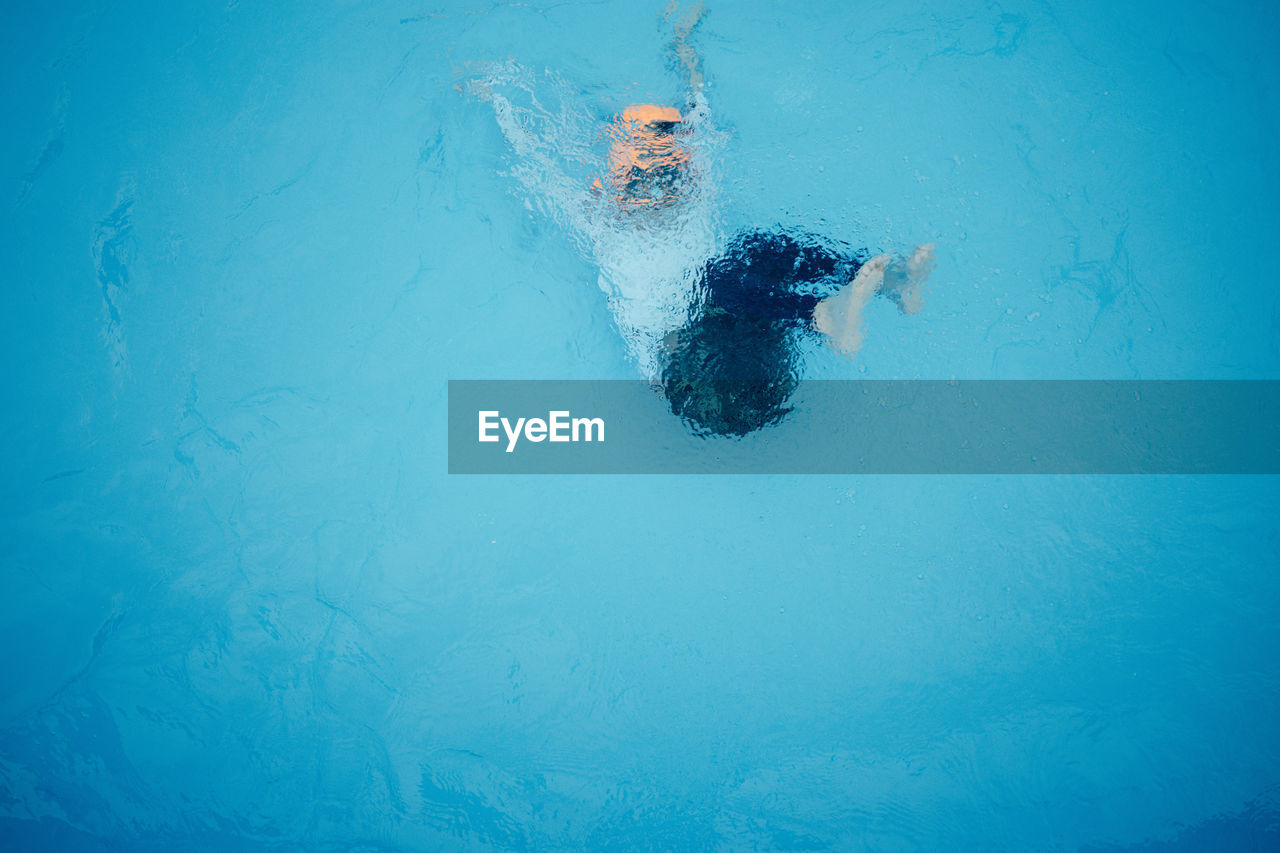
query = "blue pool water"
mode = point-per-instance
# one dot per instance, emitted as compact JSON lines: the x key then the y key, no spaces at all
{"x":245,"y":607}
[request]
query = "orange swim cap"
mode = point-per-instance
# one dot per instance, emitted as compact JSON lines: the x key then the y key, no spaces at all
{"x":646,"y":113}
{"x":645,"y":159}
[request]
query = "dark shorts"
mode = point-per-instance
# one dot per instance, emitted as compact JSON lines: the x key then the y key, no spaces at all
{"x":731,"y":369}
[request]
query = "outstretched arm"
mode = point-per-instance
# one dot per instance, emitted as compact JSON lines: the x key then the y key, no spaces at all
{"x":684,"y":52}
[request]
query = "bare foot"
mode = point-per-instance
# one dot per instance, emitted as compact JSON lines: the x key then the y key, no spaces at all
{"x":839,"y":316}
{"x":905,"y":278}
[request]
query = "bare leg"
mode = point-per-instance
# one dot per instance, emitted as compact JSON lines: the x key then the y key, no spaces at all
{"x":839,"y":316}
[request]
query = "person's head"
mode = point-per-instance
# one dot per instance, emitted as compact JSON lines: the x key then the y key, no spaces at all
{"x":648,"y":162}
{"x":651,"y":118}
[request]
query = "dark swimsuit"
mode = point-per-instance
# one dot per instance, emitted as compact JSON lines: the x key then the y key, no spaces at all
{"x":731,"y":369}
{"x":777,"y":277}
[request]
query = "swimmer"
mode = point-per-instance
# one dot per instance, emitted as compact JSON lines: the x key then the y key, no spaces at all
{"x":731,"y":368}
{"x":715,"y":327}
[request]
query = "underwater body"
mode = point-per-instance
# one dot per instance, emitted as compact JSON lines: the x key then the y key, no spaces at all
{"x":648,"y":258}
{"x":715,"y":332}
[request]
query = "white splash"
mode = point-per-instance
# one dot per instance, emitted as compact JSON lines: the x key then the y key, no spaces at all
{"x":650,"y":259}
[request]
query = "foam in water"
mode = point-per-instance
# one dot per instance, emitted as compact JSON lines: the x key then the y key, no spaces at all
{"x":650,"y":255}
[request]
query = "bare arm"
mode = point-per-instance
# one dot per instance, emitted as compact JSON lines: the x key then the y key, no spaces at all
{"x":684,"y":52}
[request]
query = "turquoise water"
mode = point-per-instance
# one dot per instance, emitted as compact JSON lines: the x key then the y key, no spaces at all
{"x":246,"y":608}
